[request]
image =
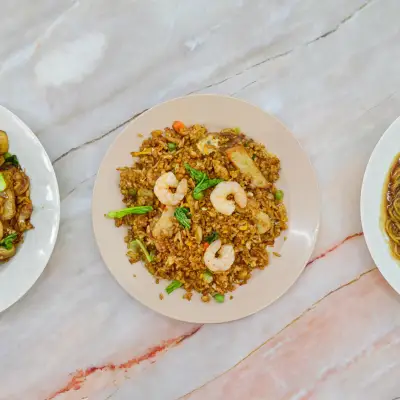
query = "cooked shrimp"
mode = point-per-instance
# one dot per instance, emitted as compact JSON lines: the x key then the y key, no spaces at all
{"x":222,"y":191}
{"x":163,"y":192}
{"x":225,"y":259}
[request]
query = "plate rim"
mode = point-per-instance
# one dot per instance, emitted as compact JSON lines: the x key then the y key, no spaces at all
{"x":372,"y":248}
{"x":35,"y":139}
{"x":315,"y":232}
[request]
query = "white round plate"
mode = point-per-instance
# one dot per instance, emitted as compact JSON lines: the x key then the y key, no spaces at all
{"x":19,"y":274}
{"x":301,"y":199}
{"x":371,"y":203}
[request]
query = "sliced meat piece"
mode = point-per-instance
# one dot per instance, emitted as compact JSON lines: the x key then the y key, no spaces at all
{"x":5,"y":254}
{"x":263,"y":222}
{"x":9,"y":207}
{"x":21,"y":183}
{"x":241,"y":160}
{"x":24,"y":214}
{"x":164,"y":225}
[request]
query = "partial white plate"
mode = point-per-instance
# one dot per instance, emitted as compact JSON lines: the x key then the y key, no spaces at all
{"x":301,"y":199}
{"x":371,"y":203}
{"x":21,"y":272}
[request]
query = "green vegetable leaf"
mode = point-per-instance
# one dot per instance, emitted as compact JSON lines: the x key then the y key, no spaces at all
{"x":182,"y":214}
{"x":3,"y":183}
{"x":202,"y":181}
{"x":237,"y":130}
{"x":253,"y":157}
{"x":134,"y":246}
{"x":219,"y":298}
{"x":11,"y":158}
{"x":205,"y":184}
{"x":138,"y":244}
{"x":171,"y":146}
{"x":197,"y":175}
{"x":212,"y":237}
{"x":131,"y":210}
{"x":173,"y":286}
{"x":7,"y":242}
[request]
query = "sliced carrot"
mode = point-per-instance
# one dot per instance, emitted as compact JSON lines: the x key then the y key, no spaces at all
{"x":178,"y":126}
{"x":205,"y":245}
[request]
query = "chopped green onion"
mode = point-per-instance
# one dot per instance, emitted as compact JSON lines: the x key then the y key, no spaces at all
{"x":11,"y":158}
{"x":131,"y":210}
{"x":137,"y":243}
{"x":219,"y":298}
{"x":253,"y":157}
{"x":171,"y":146}
{"x":212,"y":237}
{"x":279,"y":195}
{"x":3,"y":184}
{"x":7,"y":242}
{"x":208,"y":277}
{"x":198,"y":176}
{"x":182,"y":214}
{"x":173,"y":286}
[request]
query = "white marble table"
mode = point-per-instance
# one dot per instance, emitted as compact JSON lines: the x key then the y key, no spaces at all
{"x":78,"y":71}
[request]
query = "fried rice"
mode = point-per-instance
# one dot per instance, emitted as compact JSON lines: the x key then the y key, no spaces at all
{"x":177,"y":254}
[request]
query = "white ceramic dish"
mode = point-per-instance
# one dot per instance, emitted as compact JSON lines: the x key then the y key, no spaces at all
{"x":301,"y":198}
{"x":371,"y":203}
{"x":19,"y":274}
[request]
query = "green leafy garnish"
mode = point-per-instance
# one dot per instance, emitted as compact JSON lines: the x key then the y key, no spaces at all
{"x":212,"y":237}
{"x":7,"y":242}
{"x":171,"y":146}
{"x":253,"y":157}
{"x":182,"y":214}
{"x":172,"y":286}
{"x":203,"y":185}
{"x":139,"y":210}
{"x":12,"y":159}
{"x":198,"y":176}
{"x":237,"y":130}
{"x":208,"y":277}
{"x":138,"y":244}
{"x":219,"y":298}
{"x":279,"y":195}
{"x":202,"y":180}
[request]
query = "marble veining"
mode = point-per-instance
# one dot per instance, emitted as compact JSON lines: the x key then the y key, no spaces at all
{"x":78,"y":71}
